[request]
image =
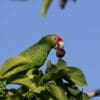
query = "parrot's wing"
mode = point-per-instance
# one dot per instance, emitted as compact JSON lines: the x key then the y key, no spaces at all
{"x":13,"y":63}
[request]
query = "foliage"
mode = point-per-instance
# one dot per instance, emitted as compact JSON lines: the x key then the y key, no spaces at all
{"x":59,"y":82}
{"x":47,"y":3}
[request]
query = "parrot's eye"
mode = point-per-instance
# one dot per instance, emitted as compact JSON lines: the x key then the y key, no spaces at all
{"x":55,"y":38}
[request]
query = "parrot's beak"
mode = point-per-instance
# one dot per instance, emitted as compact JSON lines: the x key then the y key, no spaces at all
{"x":60,"y":43}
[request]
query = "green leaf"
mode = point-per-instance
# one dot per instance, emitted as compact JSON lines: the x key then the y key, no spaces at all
{"x":45,"y":95}
{"x":75,"y":75}
{"x":52,"y":75}
{"x":2,"y":92}
{"x":15,"y":71}
{"x":61,"y":70}
{"x":73,"y":90}
{"x":28,"y":83}
{"x":37,"y":78}
{"x":72,"y":98}
{"x":12,"y":63}
{"x":45,"y":6}
{"x":57,"y":92}
{"x":2,"y":84}
{"x":83,"y":96}
{"x":61,"y":63}
{"x":50,"y":66}
{"x":54,"y":71}
{"x":30,"y":71}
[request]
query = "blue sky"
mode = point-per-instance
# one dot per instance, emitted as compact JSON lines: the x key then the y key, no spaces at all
{"x":21,"y":25}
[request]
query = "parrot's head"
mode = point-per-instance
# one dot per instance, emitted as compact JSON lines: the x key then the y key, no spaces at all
{"x":54,"y":41}
{"x":59,"y":42}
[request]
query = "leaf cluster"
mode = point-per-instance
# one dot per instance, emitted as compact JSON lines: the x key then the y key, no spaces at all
{"x":59,"y":82}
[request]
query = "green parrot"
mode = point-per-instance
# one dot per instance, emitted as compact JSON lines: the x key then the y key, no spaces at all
{"x":31,"y":58}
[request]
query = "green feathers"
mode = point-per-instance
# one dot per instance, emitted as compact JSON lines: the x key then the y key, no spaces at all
{"x":33,"y":57}
{"x":39,"y":52}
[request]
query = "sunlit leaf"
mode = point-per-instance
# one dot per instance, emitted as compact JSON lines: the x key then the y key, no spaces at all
{"x":12,"y":63}
{"x":15,"y":71}
{"x":28,"y":83}
{"x":75,"y":75}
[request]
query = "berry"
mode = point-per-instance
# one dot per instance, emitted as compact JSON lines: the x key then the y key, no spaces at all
{"x":60,"y":52}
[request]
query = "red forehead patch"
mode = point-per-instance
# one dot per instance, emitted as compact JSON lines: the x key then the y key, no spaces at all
{"x":58,"y":38}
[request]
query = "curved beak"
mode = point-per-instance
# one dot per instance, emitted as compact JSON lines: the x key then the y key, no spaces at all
{"x":60,"y":44}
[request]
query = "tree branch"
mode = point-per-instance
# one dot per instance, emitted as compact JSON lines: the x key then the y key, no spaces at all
{"x":94,"y":93}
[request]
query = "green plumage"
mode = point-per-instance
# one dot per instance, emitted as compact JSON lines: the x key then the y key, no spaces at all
{"x":39,"y":52}
{"x":33,"y":57}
